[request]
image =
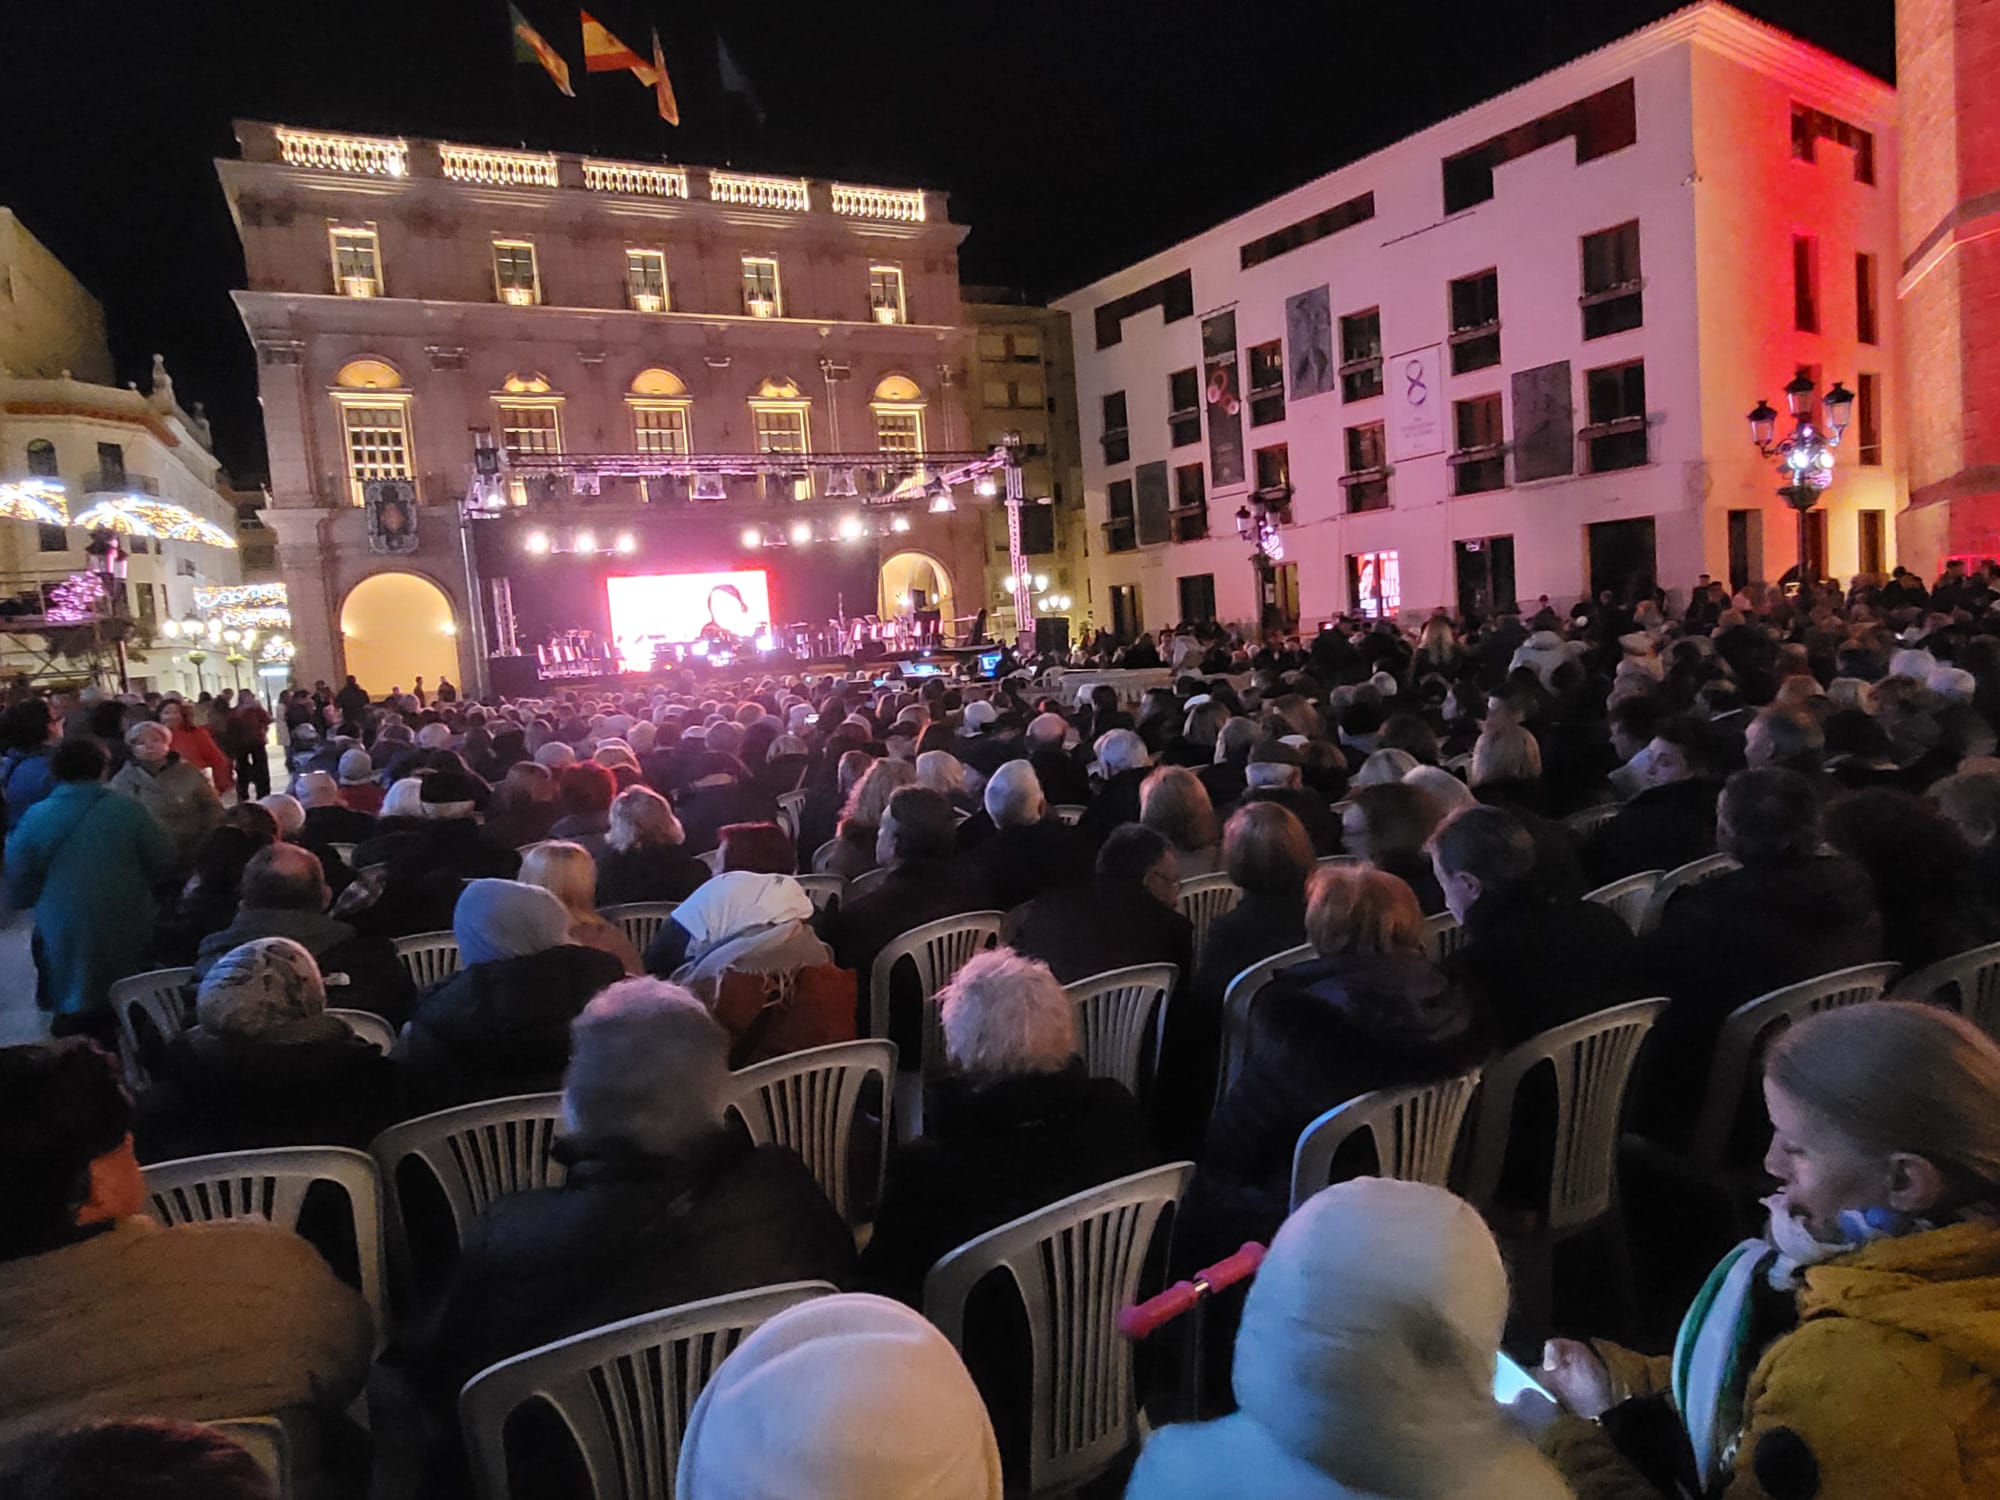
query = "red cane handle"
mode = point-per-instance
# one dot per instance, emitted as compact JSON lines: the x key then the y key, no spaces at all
{"x":1145,"y":1318}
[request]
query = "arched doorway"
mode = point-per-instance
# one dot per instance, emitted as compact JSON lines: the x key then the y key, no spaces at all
{"x":912,"y":580}
{"x":397,"y":627}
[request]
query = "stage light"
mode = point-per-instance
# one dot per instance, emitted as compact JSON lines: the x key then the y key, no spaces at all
{"x":699,"y":648}
{"x":899,"y":524}
{"x":586,"y":541}
{"x":801,"y":533}
{"x":1041,"y":582}
{"x":752,"y":537}
{"x":850,"y":528}
{"x":986,"y":486}
{"x":538,"y":543}
{"x":767,"y":643}
{"x":942,"y":504}
{"x":627,"y":544}
{"x":1007,"y":584}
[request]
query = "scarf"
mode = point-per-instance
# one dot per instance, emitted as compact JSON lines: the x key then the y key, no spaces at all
{"x":736,"y":903}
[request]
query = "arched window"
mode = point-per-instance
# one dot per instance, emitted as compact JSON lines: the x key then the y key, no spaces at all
{"x":661,"y":411}
{"x":779,"y":414}
{"x":42,"y":459}
{"x":899,"y":415}
{"x":374,"y":408}
{"x":369,"y":375}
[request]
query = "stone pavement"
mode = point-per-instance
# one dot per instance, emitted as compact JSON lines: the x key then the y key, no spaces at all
{"x":20,"y":1021}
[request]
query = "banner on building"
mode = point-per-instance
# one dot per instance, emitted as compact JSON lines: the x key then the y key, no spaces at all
{"x":1150,"y":481}
{"x":392,"y":515}
{"x":1544,"y":423}
{"x":1225,"y":399}
{"x":1309,"y":342}
{"x":1416,"y":404}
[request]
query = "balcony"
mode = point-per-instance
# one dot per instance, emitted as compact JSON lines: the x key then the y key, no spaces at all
{"x":788,"y":193}
{"x":518,"y":296}
{"x":760,"y":307}
{"x":498,"y":168}
{"x":888,"y":313}
{"x":648,"y":302}
{"x":358,"y":286}
{"x":635,"y":179}
{"x":903,"y":206}
{"x":362,"y":155}
{"x":128,"y":483}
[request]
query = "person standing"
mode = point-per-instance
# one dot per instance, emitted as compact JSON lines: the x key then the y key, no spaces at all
{"x":249,"y":733}
{"x":195,"y":745}
{"x":353,"y":701}
{"x":173,"y":791}
{"x":88,"y":861}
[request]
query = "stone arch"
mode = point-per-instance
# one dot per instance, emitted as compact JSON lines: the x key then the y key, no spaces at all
{"x":899,"y":389}
{"x":907,"y":571}
{"x":396,"y":626}
{"x":369,"y":374}
{"x":659,"y":382}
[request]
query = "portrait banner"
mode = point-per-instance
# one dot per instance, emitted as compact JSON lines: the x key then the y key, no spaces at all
{"x":1225,"y":400}
{"x":1309,"y":342}
{"x":1544,"y":423}
{"x":392,"y":515}
{"x":1416,"y":404}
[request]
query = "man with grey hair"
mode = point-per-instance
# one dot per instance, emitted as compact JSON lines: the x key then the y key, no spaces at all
{"x":1123,"y":762}
{"x":1012,"y":1124}
{"x":663,"y":1203}
{"x":1063,"y":779}
{"x":1029,"y":851}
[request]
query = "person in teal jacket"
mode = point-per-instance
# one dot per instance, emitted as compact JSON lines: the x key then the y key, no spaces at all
{"x":88,"y":861}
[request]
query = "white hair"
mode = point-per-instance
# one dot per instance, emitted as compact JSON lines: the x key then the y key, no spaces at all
{"x":405,"y":799}
{"x":1014,"y":795}
{"x":640,"y":815}
{"x":317,"y":789}
{"x":648,"y":1068}
{"x":1004,"y":1013}
{"x":1385,"y":766}
{"x":434,"y":737}
{"x":1048,"y":729}
{"x":1121,"y":750}
{"x":942,"y":772}
{"x":287,"y":809}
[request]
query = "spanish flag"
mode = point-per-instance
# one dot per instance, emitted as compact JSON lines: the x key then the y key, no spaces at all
{"x":663,"y":86}
{"x":529,"y":46}
{"x":604,"y":53}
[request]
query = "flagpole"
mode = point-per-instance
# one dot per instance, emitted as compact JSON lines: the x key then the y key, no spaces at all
{"x":513,"y":86}
{"x":589,"y":98}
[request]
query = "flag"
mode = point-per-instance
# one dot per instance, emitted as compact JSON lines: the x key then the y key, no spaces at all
{"x":529,"y":46}
{"x":663,"y":86}
{"x":604,"y":53}
{"x":731,"y":80}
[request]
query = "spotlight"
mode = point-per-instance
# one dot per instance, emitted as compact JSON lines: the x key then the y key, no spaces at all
{"x":627,"y":544}
{"x":751,"y":538}
{"x":899,"y":524}
{"x":1041,"y":582}
{"x":986,"y":486}
{"x":586,"y":541}
{"x":767,"y":643}
{"x":850,"y":528}
{"x":942,"y":504}
{"x":801,"y":533}
{"x":538,"y":543}
{"x":1007,"y":584}
{"x":699,"y":648}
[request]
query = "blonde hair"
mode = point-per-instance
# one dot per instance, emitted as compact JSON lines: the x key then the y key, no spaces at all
{"x":870,"y":798}
{"x":640,"y":815}
{"x":1896,"y":1076}
{"x":1507,"y":753}
{"x":1352,"y":909}
{"x":1174,"y":803}
{"x":566,"y":871}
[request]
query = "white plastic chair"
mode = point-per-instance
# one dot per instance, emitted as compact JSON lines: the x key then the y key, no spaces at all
{"x":1443,"y":936}
{"x":1678,"y":879}
{"x":371,"y":1028}
{"x":271,"y":1185}
{"x":1069,"y":814}
{"x":939,"y":950}
{"x":865,"y":883}
{"x":640,"y":921}
{"x":791,"y":809}
{"x":1587,"y":821}
{"x":624,"y":1391}
{"x":269,"y":1444}
{"x":1236,"y":1002}
{"x":1114,"y":1012}
{"x":1631,"y":897}
{"x":823,"y":890}
{"x":428,"y":957}
{"x":713,"y":859}
{"x":823,"y":852}
{"x":808,"y":1101}
{"x":155,"y":996}
{"x":1337,"y":861}
{"x":477,"y":1152}
{"x":1075,"y":1264}
{"x":1203,"y":898}
{"x":345,"y":851}
{"x":1969,"y":982}
{"x":1415,"y":1131}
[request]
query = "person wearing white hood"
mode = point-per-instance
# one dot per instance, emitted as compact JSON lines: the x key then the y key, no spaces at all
{"x":1364,"y":1365}
{"x":1543,"y":652}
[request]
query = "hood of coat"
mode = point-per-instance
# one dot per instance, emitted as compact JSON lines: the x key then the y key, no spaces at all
{"x":1829,"y":892}
{"x":514,"y":1007}
{"x":956,"y":1104}
{"x":314,"y":931}
{"x":1400,"y":999}
{"x":1941,"y":1286}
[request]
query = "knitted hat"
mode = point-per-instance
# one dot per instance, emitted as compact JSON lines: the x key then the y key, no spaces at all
{"x":450,"y":786}
{"x":269,"y":988}
{"x":841,"y":1398}
{"x":356,"y":768}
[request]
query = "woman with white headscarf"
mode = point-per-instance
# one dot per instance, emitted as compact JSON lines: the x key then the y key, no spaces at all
{"x":741,"y":920}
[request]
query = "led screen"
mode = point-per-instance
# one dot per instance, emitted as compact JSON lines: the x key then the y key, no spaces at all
{"x":674,"y":607}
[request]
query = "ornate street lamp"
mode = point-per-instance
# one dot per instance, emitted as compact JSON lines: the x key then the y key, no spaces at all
{"x":1805,"y":455}
{"x":1257,"y":523}
{"x":107,"y":561}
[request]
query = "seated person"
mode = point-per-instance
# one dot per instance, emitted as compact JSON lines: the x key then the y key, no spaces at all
{"x":264,"y":1065}
{"x":1922,"y":872}
{"x":328,"y":819}
{"x":1275,"y":773}
{"x":1670,"y":818}
{"x":663,"y":1203}
{"x":1370,"y":1012}
{"x":1063,"y":780}
{"x":1506,"y":772}
{"x":645,"y":854}
{"x":142,"y":1458}
{"x":111,"y":1314}
{"x":723,"y":791}
{"x":523,"y":809}
{"x":584,"y":794}
{"x":428,"y":841}
{"x":207,"y":903}
{"x":285,"y":895}
{"x":1129,"y":914}
{"x":1174,"y":803}
{"x":1029,"y":851}
{"x":761,"y":848}
{"x":852,"y":851}
{"x":739,"y":920}
{"x":359,"y":790}
{"x":1386,"y":826}
{"x":567,"y":872}
{"x":500,"y":1025}
{"x":1011,"y":1123}
{"x":1123,"y":764}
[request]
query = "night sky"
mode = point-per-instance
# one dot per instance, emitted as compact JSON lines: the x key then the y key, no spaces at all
{"x":1074,"y":135}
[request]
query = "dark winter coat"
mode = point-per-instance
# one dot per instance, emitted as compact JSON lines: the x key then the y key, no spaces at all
{"x":1662,"y":828}
{"x":648,"y":872}
{"x":909,"y":896}
{"x":376,"y":978}
{"x":1108,"y":925}
{"x":1536,"y":962}
{"x":1019,"y":863}
{"x":1116,"y":802}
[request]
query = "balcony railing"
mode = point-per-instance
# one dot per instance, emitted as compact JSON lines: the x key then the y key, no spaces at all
{"x":498,"y":168}
{"x":368,"y":155}
{"x":127,"y":483}
{"x":903,"y":205}
{"x":635,"y":178}
{"x":759,"y":192}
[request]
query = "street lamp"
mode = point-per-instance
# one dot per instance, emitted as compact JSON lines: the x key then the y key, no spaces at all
{"x":194,"y":631}
{"x":1805,"y":455}
{"x":1257,"y":522}
{"x":107,"y":562}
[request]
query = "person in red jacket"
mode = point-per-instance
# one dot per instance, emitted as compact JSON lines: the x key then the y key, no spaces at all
{"x":195,"y":745}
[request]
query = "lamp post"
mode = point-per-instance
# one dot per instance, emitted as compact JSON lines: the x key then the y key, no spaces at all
{"x":1257,"y":522}
{"x":1805,"y":455}
{"x":196,"y":632}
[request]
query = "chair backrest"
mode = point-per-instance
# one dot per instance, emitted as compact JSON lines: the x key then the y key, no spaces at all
{"x":1587,"y":821}
{"x":151,"y":1001}
{"x":791,"y":808}
{"x":824,"y":851}
{"x":477,"y":1152}
{"x":1203,"y":898}
{"x":1678,"y":879}
{"x":1968,"y":982}
{"x":1115,"y":1011}
{"x":1443,"y":936}
{"x":864,"y":883}
{"x":1458,"y":765}
{"x":1338,"y":861}
{"x":939,"y":950}
{"x":1592,"y":1059}
{"x":624,"y":1391}
{"x":1415,"y":1131}
{"x":640,"y":921}
{"x":345,"y":851}
{"x":713,"y":859}
{"x":271,"y":1185}
{"x":1631,"y":897}
{"x":371,"y":1028}
{"x":1075,"y":1264}
{"x":428,"y":957}
{"x":1742,"y":1039}
{"x":824,"y":890}
{"x":808,"y":1101}
{"x":1069,"y":814}
{"x":1236,"y":1002}
{"x":268,"y":1444}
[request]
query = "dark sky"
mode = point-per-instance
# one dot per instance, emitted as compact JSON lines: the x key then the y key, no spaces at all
{"x":1073,"y":135}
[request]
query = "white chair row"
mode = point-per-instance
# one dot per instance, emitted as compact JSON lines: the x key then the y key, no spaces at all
{"x":150,"y":1008}
{"x":1203,"y":898}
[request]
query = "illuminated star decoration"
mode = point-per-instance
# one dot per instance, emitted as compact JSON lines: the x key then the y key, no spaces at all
{"x":139,"y":515}
{"x":75,"y":599}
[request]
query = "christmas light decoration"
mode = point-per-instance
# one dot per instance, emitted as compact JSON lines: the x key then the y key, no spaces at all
{"x":33,"y":500}
{"x":140,"y":515}
{"x":76,"y":599}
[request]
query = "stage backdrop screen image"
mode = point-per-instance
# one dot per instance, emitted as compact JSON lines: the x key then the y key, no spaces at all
{"x":677,"y":606}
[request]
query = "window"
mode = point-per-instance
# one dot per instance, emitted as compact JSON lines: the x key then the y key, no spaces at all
{"x":999,"y":347}
{"x":885,"y":294}
{"x":761,"y":293}
{"x":1867,"y":321}
{"x":1190,"y":512}
{"x":1117,"y":440}
{"x":110,"y":466}
{"x":149,"y":612}
{"x":528,"y":430}
{"x":1605,"y":122}
{"x":1868,"y":417}
{"x":42,"y":459}
{"x":1197,"y":599}
{"x":1274,"y":468}
{"x":1172,"y":295}
{"x":1805,"y":283}
{"x":660,"y":428}
{"x":378,"y":441}
{"x":780,"y":429}
{"x":1306,"y":231}
{"x":1267,"y":383}
{"x":1361,"y":355}
{"x":1478,"y":463}
{"x":357,"y":262}
{"x":515,"y":277}
{"x":1375,"y":584}
{"x":899,"y":430}
{"x":1612,"y":299}
{"x":1746,"y":547}
{"x":53,"y":538}
{"x":1025,"y":393}
{"x":1184,"y":407}
{"x":1475,"y":322}
{"x":1367,"y":478}
{"x":1616,"y":435}
{"x":1871,"y":549}
{"x":1811,"y":126}
{"x":1121,"y":531}
{"x":646,"y":280}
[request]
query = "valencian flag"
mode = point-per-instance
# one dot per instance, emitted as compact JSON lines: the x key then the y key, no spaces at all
{"x":529,"y":46}
{"x":663,"y":86}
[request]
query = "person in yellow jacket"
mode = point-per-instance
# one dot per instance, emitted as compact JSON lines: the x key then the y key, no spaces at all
{"x":1853,"y":1353}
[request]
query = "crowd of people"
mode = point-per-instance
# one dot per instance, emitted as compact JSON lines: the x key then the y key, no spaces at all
{"x":1839,"y":747}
